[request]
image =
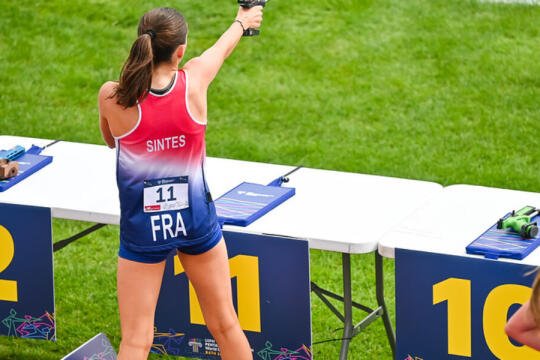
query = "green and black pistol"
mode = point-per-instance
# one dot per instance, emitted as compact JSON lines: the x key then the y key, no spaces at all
{"x":521,"y":222}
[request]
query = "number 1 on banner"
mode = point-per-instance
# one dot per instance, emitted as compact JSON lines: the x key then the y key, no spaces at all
{"x":246,"y":270}
{"x":8,"y":288}
{"x":457,"y":293}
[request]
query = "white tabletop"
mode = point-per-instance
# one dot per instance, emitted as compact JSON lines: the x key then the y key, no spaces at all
{"x":345,"y":212}
{"x":80,"y":183}
{"x":454,"y":218}
{"x":335,"y":211}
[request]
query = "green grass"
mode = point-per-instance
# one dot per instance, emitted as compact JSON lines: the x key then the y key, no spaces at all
{"x":445,"y":91}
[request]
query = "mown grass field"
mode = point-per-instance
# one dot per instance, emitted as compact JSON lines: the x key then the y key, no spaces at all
{"x":445,"y":91}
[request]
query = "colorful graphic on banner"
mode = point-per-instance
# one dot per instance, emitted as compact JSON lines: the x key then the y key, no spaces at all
{"x":30,"y":327}
{"x":270,"y":353}
{"x":271,"y":292}
{"x":167,"y":342}
{"x":450,"y":307}
{"x":97,"y":348}
{"x":26,"y":272}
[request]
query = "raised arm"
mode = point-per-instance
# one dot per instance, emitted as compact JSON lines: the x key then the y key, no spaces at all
{"x":203,"y":69}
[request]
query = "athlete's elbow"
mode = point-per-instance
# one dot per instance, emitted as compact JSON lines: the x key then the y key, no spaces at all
{"x":510,"y":330}
{"x":516,"y":331}
{"x":109,"y":142}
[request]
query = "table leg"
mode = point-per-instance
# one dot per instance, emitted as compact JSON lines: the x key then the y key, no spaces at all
{"x":379,"y":284}
{"x":350,"y":330}
{"x":63,"y":243}
{"x":347,"y":306}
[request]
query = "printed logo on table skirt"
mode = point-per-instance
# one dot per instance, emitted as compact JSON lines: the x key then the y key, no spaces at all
{"x":409,"y":357}
{"x":195,"y":344}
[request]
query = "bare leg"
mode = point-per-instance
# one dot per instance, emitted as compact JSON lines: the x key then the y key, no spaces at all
{"x":138,"y":290}
{"x":209,"y":274}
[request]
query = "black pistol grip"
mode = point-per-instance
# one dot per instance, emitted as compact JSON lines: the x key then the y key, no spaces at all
{"x":251,"y":32}
{"x":248,"y":4}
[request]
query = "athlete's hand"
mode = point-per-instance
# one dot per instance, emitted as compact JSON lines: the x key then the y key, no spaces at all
{"x":250,"y":18}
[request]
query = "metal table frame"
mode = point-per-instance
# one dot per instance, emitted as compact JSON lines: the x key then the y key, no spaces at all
{"x":350,"y":330}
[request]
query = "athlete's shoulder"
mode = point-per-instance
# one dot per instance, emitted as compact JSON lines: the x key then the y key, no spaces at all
{"x":194,"y":74}
{"x":193,"y":62}
{"x":193,"y":67}
{"x":107,"y":90}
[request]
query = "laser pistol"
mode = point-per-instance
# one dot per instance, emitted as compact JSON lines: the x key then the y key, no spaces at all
{"x":521,"y":222}
{"x":8,"y":166}
{"x":248,"y":4}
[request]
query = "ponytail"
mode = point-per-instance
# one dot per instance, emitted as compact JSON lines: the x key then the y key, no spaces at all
{"x":136,"y":75}
{"x":160,"y":32}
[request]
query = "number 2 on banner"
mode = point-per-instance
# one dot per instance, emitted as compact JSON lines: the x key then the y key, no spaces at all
{"x":457,"y":293}
{"x":8,"y":288}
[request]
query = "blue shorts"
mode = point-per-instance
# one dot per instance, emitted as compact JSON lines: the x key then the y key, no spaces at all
{"x":154,"y":257}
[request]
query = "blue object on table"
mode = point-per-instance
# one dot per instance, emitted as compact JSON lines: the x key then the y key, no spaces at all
{"x":29,"y":161}
{"x":248,"y":201}
{"x":12,"y":154}
{"x":495,"y":243}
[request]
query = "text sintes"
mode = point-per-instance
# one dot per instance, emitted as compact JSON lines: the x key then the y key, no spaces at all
{"x":171,"y":142}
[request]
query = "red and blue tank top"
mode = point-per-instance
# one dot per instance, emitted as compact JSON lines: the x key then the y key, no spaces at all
{"x":164,"y":199}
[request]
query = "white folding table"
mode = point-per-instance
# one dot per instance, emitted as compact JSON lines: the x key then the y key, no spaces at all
{"x":334,"y":211}
{"x":445,"y":225}
{"x":346,"y":213}
{"x":80,"y":183}
{"x":455,"y":217}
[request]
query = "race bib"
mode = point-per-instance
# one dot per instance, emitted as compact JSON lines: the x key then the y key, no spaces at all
{"x":166,"y":194}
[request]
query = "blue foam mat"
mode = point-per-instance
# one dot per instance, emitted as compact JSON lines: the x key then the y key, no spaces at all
{"x":248,"y":201}
{"x":28,"y":164}
{"x":495,"y":243}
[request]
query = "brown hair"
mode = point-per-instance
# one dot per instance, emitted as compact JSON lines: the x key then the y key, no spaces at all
{"x":535,"y":299}
{"x":160,"y":32}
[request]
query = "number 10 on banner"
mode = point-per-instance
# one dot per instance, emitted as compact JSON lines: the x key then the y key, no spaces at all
{"x":457,"y":294}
